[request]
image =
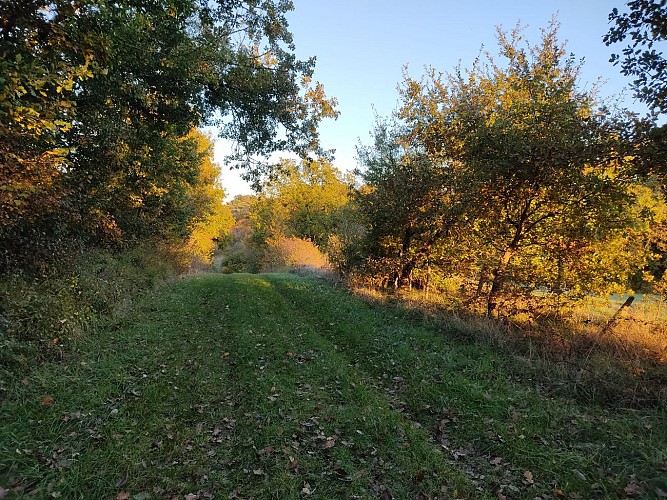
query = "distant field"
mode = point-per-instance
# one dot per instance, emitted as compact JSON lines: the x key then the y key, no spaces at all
{"x":278,"y":386}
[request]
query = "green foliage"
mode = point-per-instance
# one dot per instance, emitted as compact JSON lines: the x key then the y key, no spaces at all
{"x":212,"y":220}
{"x":97,"y":99}
{"x":45,"y":56}
{"x":305,"y":200}
{"x":508,"y":175}
{"x":41,"y":317}
{"x":408,"y":202}
{"x":645,"y":26}
{"x":241,"y":253}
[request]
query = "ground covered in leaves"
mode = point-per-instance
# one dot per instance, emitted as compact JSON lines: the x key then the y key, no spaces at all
{"x":277,"y":386}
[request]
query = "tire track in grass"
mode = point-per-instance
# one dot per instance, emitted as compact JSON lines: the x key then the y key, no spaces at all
{"x":486,"y":409}
{"x":311,"y":422}
{"x":276,"y":386}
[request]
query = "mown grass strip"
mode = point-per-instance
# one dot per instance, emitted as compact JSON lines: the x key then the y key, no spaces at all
{"x":494,"y":414}
{"x":218,"y":386}
{"x":276,"y":386}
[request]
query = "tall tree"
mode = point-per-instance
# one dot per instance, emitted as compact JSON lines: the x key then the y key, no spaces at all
{"x":45,"y":56}
{"x":539,"y":159}
{"x":210,"y":220}
{"x":643,"y":26}
{"x":114,"y":87}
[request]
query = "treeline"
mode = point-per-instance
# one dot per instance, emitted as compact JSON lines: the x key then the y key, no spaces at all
{"x":504,"y":184}
{"x":101,"y":159}
{"x":507,"y":179}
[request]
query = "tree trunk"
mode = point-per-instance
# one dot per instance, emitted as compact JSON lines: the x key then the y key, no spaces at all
{"x":498,"y":275}
{"x":406,"y":274}
{"x":497,"y":278}
{"x":403,"y":272}
{"x":428,"y":280}
{"x":481,"y":282}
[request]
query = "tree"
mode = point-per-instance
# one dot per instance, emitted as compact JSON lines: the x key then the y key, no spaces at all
{"x":646,"y":26}
{"x":534,"y":165}
{"x":112,"y":90}
{"x":410,"y":201}
{"x":541,"y":161}
{"x":45,"y":55}
{"x":211,"y":221}
{"x":304,"y":199}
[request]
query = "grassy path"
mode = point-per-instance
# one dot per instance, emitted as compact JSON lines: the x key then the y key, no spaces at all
{"x":276,"y":386}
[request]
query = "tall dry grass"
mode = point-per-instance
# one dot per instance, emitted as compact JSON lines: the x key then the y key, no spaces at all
{"x":624,"y":362}
{"x":292,"y":253}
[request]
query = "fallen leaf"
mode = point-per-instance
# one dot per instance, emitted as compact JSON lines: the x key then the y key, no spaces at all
{"x":330,"y":442}
{"x":191,"y":496}
{"x":528,"y":477}
{"x":47,"y":400}
{"x":306,"y":489}
{"x":385,"y":495}
{"x":123,"y":495}
{"x":258,"y":472}
{"x":633,"y":488}
{"x":496,"y":461}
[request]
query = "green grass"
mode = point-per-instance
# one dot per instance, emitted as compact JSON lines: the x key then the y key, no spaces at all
{"x":277,"y":386}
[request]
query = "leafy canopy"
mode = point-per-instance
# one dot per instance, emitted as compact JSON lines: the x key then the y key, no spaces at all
{"x":645,"y":27}
{"x":98,"y":96}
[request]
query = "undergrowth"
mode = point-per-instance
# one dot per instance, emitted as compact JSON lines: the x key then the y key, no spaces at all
{"x":624,"y":361}
{"x":42,"y":313}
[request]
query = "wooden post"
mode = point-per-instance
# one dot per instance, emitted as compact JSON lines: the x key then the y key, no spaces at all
{"x":614,"y":319}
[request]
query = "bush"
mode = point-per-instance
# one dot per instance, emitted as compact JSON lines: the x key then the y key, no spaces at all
{"x":41,"y":314}
{"x":287,"y":253}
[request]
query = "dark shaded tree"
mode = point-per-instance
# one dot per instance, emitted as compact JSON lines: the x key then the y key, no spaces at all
{"x":645,"y":27}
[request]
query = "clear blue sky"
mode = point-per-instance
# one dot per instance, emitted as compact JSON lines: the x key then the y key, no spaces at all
{"x":362,"y":45}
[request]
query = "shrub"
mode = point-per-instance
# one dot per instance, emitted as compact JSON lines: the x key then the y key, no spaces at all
{"x":41,"y":314}
{"x":286,"y":253}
